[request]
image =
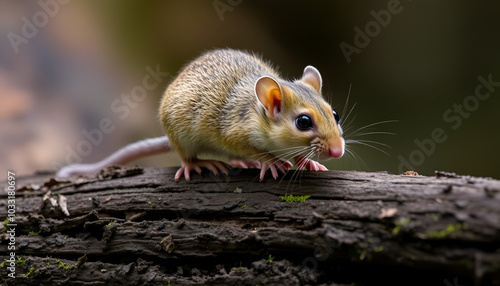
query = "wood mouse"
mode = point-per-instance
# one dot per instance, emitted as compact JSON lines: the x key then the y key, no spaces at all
{"x":233,"y":104}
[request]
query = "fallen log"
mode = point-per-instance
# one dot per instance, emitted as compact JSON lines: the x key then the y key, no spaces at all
{"x":140,"y":227}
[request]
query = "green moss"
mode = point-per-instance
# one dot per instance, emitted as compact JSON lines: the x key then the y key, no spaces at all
{"x":399,"y":224}
{"x":294,"y":199}
{"x":434,"y":217}
{"x":110,"y":223}
{"x":149,"y":203}
{"x":20,"y":261}
{"x":366,"y":251}
{"x":362,"y":255}
{"x":33,"y":233}
{"x":5,"y":222}
{"x":241,"y":267}
{"x":64,"y":266}
{"x":30,"y":271}
{"x":448,"y":231}
{"x":3,"y":263}
{"x":270,"y":259}
{"x":245,"y":207}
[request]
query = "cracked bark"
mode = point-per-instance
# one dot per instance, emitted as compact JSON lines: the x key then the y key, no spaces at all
{"x":141,"y":227}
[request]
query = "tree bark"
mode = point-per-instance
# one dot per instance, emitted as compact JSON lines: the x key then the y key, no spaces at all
{"x":141,"y":227}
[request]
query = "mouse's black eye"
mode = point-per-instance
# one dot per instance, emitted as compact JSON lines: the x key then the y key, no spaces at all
{"x":336,"y":116}
{"x":303,"y":122}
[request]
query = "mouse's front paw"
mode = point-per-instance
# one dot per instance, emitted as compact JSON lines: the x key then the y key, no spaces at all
{"x":303,"y":163}
{"x":274,"y":165}
{"x":213,"y":165}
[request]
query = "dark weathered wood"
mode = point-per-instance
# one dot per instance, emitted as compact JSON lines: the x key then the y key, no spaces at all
{"x":357,"y":227}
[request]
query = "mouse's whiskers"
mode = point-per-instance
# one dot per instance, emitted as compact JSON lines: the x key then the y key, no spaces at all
{"x":260,"y":156}
{"x":347,"y":120}
{"x":355,"y":138}
{"x":279,"y":150}
{"x":370,"y":144}
{"x":356,"y":159}
{"x":358,"y":131}
{"x":297,"y":174}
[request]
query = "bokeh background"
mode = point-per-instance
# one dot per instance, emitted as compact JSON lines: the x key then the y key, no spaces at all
{"x":65,"y":75}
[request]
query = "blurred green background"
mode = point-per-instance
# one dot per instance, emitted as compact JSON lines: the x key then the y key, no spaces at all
{"x":64,"y":65}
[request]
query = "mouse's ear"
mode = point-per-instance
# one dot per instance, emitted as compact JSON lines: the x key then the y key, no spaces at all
{"x":270,"y":95}
{"x":313,"y":77}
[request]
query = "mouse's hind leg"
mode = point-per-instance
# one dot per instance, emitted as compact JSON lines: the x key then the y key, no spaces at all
{"x":189,"y":159}
{"x":196,"y":164}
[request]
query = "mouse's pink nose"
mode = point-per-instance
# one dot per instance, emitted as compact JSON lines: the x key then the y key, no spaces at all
{"x":336,"y":152}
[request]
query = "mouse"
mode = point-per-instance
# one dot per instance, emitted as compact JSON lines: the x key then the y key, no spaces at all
{"x":233,"y":104}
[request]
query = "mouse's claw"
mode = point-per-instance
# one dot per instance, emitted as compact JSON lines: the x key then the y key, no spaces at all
{"x":213,"y":165}
{"x":274,"y":165}
{"x":303,"y":163}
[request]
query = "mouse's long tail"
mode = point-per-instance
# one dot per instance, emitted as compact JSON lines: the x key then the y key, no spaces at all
{"x":131,"y":152}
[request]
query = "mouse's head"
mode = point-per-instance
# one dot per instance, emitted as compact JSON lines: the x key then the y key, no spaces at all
{"x":297,"y":119}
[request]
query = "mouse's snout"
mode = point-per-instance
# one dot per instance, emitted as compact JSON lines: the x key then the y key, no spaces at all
{"x":336,"y":151}
{"x":336,"y":148}
{"x":327,"y":150}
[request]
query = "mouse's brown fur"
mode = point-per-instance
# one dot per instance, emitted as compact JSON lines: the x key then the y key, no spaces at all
{"x":219,"y":104}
